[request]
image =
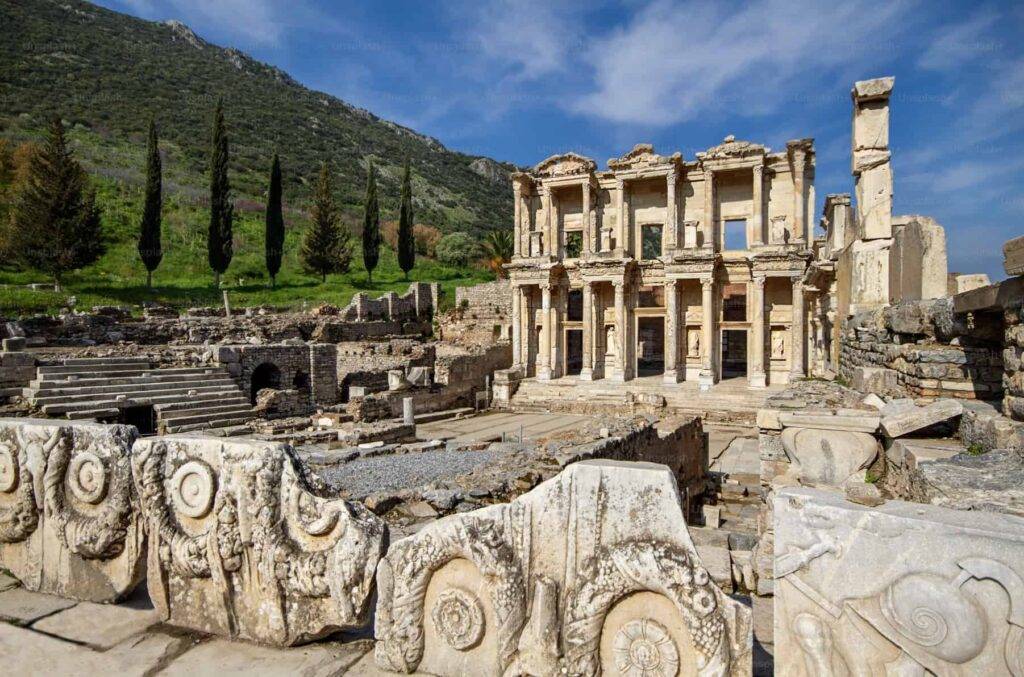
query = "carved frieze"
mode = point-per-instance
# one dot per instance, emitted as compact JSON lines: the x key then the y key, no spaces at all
{"x":68,"y":524}
{"x":239,"y":545}
{"x":566,"y":164}
{"x":642,"y":156}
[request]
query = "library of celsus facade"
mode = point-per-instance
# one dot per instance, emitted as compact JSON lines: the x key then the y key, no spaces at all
{"x":665,"y":267}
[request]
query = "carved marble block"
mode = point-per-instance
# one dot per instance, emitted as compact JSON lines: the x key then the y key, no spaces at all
{"x":239,"y":546}
{"x":68,"y":522}
{"x":901,"y":589}
{"x":593,"y":572}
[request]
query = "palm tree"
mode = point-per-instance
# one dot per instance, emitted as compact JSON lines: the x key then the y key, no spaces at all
{"x":498,"y":249}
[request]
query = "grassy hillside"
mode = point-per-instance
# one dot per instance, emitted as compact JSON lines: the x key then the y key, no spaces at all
{"x":105,"y":74}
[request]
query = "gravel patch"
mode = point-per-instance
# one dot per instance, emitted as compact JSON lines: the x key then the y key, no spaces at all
{"x":404,"y":471}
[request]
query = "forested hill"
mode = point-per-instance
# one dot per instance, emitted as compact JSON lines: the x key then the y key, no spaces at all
{"x":105,"y":73}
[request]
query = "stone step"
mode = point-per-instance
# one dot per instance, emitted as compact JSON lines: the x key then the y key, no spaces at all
{"x":58,"y":409}
{"x":148,"y":375}
{"x":80,"y":361}
{"x":222,"y":423}
{"x":93,"y":414}
{"x":64,"y":369}
{"x":432,"y":416}
{"x":201,"y":401}
{"x":71,"y":394}
{"x":208,"y":416}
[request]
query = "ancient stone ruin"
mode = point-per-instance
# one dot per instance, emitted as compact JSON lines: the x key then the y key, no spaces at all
{"x":688,"y":435}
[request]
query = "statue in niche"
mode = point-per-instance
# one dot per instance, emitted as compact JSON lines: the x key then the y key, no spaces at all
{"x":611,"y":343}
{"x":693,"y":343}
{"x":779,"y":230}
{"x":778,"y":345}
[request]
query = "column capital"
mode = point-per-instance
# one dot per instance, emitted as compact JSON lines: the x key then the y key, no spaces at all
{"x":619,"y":284}
{"x":545,"y":286}
{"x":672,"y":177}
{"x":798,"y":281}
{"x":620,"y":183}
{"x":758,"y":170}
{"x":758,"y":280}
{"x":707,"y":282}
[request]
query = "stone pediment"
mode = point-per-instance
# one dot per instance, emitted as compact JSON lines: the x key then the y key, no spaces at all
{"x":566,"y":164}
{"x":731,"y":148}
{"x":641,"y":156}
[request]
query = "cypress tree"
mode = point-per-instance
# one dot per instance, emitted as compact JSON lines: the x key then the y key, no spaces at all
{"x":371,"y":223}
{"x":219,"y":241}
{"x":274,"y":242}
{"x":327,"y":247}
{"x":56,"y":225}
{"x":149,"y":230}
{"x":406,"y":242}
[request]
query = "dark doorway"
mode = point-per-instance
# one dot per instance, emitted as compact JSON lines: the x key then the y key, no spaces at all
{"x":650,"y":346}
{"x":734,"y":352}
{"x":573,"y":351}
{"x":264,"y":376}
{"x":142,"y":417}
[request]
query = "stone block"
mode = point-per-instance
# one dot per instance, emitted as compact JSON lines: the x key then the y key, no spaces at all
{"x":15,"y":344}
{"x":866,"y":421}
{"x":874,"y":200}
{"x":877,"y":380}
{"x":768,"y":419}
{"x":240,"y":547}
{"x":899,"y":588}
{"x":957,"y":283}
{"x":829,"y":457}
{"x":1013,"y":256}
{"x":918,"y":261}
{"x":909,"y":420}
{"x":22,"y":606}
{"x":100,"y":626}
{"x":68,"y":512}
{"x":868,"y":266}
{"x":576,"y":577}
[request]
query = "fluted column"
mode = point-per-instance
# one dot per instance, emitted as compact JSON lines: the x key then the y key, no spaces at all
{"x":517,"y":326}
{"x":620,"y":211}
{"x":757,"y":215}
{"x":587,"y":371}
{"x":797,"y":343}
{"x":671,"y":332}
{"x":619,"y":368}
{"x":544,"y":349}
{"x":588,"y":235}
{"x":709,"y":209}
{"x":669,"y":237}
{"x":756,"y":373}
{"x":708,"y":328}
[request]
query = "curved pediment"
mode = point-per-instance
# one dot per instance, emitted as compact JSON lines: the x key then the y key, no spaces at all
{"x":732,"y":148}
{"x":642,"y":155}
{"x":565,"y":164}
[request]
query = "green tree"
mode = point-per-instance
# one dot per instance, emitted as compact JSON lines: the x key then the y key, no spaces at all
{"x":150,"y":249}
{"x":371,"y":223}
{"x":56,"y":226}
{"x":327,"y":247}
{"x":406,"y":241}
{"x":456,"y":249}
{"x":219,"y":240}
{"x":498,"y":248}
{"x":274,"y":241}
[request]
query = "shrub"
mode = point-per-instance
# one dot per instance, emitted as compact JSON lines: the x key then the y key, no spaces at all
{"x":456,"y":249}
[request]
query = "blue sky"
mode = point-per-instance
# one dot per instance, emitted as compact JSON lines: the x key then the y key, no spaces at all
{"x":522,"y":80}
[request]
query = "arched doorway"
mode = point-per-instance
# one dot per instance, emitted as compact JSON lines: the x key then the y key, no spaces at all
{"x":266,"y":375}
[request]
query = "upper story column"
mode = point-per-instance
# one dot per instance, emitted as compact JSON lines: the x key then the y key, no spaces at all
{"x":668,"y":240}
{"x":545,"y":196}
{"x":709,"y":209}
{"x":588,"y":235}
{"x":798,"y":154}
{"x":517,"y":218}
{"x":620,"y":213}
{"x":757,"y":208}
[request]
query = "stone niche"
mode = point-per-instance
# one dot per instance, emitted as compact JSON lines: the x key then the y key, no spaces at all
{"x":902,"y":589}
{"x":239,"y":546}
{"x":593,"y":572}
{"x":68,"y":522}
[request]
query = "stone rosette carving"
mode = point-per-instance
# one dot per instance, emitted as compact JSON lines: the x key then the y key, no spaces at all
{"x":68,"y":524}
{"x":240,"y":546}
{"x":581,"y":547}
{"x":899,"y":589}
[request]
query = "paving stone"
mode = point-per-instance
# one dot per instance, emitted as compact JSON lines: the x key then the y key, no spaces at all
{"x":220,"y":658}
{"x":8,"y":582}
{"x":22,"y":606}
{"x":98,"y":625}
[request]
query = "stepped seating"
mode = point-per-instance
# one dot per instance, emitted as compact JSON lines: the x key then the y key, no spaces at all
{"x":184,"y":399}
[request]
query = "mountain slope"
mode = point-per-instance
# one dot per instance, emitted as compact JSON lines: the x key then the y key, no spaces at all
{"x":106,"y":73}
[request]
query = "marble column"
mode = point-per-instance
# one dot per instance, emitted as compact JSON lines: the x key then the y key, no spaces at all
{"x":757,"y":208}
{"x":709,"y":327}
{"x":544,"y":349}
{"x":755,"y":366}
{"x":797,"y":345}
{"x":620,"y":214}
{"x":671,"y":332}
{"x":799,"y":209}
{"x":618,"y":372}
{"x":671,"y":233}
{"x":548,"y":247}
{"x":587,"y":371}
{"x":558,"y":312}
{"x":708,"y":225}
{"x":517,"y":226}
{"x":588,"y":235}
{"x":517,"y":327}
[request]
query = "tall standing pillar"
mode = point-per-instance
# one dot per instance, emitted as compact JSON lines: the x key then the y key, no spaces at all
{"x":708,"y":226}
{"x":798,"y":157}
{"x":558,"y":312}
{"x":588,"y":235}
{"x":797,"y":343}
{"x":517,"y":218}
{"x":619,"y":366}
{"x":757,"y":208}
{"x":757,"y":376}
{"x":517,"y":327}
{"x":549,"y":242}
{"x":587,"y":370}
{"x":620,"y":214}
{"x":671,"y":332}
{"x":544,"y":350}
{"x":671,"y":234}
{"x":708,"y":327}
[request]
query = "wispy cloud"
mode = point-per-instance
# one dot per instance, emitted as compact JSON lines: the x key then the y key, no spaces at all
{"x":956,"y":43}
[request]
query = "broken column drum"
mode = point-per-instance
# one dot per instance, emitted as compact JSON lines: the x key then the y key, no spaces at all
{"x":239,"y":546}
{"x":68,"y":524}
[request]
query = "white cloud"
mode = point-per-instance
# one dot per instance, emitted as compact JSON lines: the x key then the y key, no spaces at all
{"x":674,"y":61}
{"x":960,"y":42}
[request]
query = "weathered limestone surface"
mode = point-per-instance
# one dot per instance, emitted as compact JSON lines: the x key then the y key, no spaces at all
{"x":239,"y":546}
{"x":68,"y":523}
{"x":911,"y":419}
{"x":902,"y":588}
{"x":1013,"y":256}
{"x":828,"y":456}
{"x":917,"y":260}
{"x":591,"y":572}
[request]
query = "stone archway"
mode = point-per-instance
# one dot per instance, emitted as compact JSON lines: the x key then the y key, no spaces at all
{"x":266,"y":375}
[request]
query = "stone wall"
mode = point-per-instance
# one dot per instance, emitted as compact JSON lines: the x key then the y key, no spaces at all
{"x":482,"y":315}
{"x":17,"y":368}
{"x":1013,"y":362}
{"x":917,"y":259}
{"x":279,"y":367}
{"x":921,"y":349}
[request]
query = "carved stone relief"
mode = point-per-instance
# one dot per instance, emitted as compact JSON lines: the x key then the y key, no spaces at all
{"x":67,"y":508}
{"x":828,"y":456}
{"x":904,"y":588}
{"x":693,"y":342}
{"x":240,"y":547}
{"x":778,"y":344}
{"x":579,"y":546}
